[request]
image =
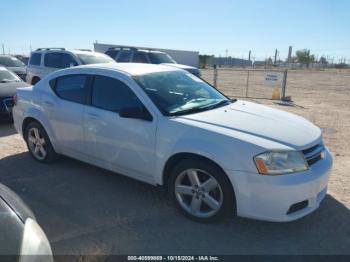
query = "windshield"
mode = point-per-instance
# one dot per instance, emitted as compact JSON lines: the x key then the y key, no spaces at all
{"x":180,"y":93}
{"x":7,"y":76}
{"x":94,"y":58}
{"x":159,"y":58}
{"x":10,"y":61}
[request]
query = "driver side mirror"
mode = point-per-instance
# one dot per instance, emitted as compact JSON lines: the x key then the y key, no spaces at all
{"x":136,"y":112}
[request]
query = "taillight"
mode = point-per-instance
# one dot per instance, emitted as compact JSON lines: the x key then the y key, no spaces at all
{"x":15,"y":100}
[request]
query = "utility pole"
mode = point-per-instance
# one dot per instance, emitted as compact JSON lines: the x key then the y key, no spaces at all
{"x":3,"y":49}
{"x":290,"y":54}
{"x":250,"y":52}
{"x":276,"y":51}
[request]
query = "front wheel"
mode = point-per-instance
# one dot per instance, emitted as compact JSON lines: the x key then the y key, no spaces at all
{"x":38,"y":143}
{"x":201,"y":190}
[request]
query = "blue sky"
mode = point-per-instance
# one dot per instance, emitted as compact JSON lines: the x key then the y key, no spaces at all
{"x":209,"y":26}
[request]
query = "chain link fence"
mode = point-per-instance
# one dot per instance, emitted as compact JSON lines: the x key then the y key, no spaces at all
{"x":252,"y":83}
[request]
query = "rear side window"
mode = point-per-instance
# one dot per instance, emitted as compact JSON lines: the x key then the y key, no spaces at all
{"x":35,"y":59}
{"x":112,"y":53}
{"x":111,"y":94}
{"x":59,"y":60}
{"x":125,"y":56}
{"x":72,"y":88}
{"x":140,"y":57}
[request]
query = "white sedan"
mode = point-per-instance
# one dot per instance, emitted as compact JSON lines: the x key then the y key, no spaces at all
{"x":164,"y":126}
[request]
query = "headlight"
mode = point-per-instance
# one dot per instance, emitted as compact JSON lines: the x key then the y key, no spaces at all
{"x":35,"y":246}
{"x":280,"y":162}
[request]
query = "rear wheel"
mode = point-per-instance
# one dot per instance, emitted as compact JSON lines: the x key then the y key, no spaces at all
{"x":201,"y":190}
{"x":38,"y":143}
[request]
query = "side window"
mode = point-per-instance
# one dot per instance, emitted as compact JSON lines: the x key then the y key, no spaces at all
{"x":72,"y":88}
{"x":68,"y":61}
{"x":53,"y":60}
{"x":59,"y":60}
{"x":111,"y":94}
{"x":112,"y":53}
{"x":35,"y":59}
{"x":140,"y":57}
{"x":125,"y":56}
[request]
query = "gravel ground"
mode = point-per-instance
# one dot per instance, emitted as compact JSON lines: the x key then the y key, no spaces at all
{"x":87,"y":210}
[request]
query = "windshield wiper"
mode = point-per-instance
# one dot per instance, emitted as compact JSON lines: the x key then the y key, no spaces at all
{"x":188,"y":111}
{"x":200,"y":109}
{"x":219,"y":104}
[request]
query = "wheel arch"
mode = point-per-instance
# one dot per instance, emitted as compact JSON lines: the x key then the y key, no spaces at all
{"x":29,"y":119}
{"x":176,"y":158}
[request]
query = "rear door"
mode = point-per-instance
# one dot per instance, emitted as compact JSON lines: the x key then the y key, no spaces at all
{"x":67,"y":112}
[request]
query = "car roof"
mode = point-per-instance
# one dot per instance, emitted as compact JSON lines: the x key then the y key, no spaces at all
{"x":130,"y":68}
{"x":73,"y":51}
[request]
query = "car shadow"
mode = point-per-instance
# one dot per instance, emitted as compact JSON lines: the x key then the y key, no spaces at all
{"x":88,"y":210}
{"x":6,"y":128}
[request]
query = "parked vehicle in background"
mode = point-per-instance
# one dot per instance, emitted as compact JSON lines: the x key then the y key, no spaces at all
{"x":46,"y":60}
{"x":23,"y":58}
{"x":165,"y":126}
{"x":21,"y":237}
{"x":9,"y":82}
{"x":135,"y":55}
{"x":14,"y":64}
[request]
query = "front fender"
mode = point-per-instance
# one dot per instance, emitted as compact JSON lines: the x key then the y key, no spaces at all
{"x":227,"y":152}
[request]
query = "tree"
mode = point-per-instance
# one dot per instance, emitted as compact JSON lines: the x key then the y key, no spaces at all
{"x":323,"y":60}
{"x":304,"y":57}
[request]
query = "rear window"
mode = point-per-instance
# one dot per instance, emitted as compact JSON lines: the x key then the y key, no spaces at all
{"x":140,"y":57}
{"x":112,"y":53}
{"x":125,"y":56}
{"x":72,"y":88}
{"x":35,"y":59}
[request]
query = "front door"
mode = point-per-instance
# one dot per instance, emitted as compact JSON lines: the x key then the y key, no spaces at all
{"x":125,"y":145}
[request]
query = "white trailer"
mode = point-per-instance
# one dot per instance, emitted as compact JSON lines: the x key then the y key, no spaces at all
{"x":190,"y":58}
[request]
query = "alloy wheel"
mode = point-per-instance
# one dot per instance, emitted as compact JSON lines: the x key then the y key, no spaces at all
{"x":198,"y":192}
{"x":37,"y":143}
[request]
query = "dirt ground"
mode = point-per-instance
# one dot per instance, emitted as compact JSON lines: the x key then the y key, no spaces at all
{"x":87,"y":210}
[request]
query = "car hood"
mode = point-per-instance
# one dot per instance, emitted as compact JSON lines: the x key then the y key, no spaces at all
{"x":15,"y":203}
{"x":18,"y":70}
{"x":9,"y":89}
{"x":258,"y":120}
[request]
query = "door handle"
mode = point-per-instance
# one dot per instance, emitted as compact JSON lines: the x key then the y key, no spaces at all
{"x":48,"y":104}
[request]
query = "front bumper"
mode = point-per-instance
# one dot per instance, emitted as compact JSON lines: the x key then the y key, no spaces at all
{"x":270,"y":198}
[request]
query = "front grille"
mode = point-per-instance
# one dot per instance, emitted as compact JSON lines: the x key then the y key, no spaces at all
{"x":313,"y":154}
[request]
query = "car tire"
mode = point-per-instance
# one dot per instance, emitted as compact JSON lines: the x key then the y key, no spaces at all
{"x":38,"y":143}
{"x":201,"y":190}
